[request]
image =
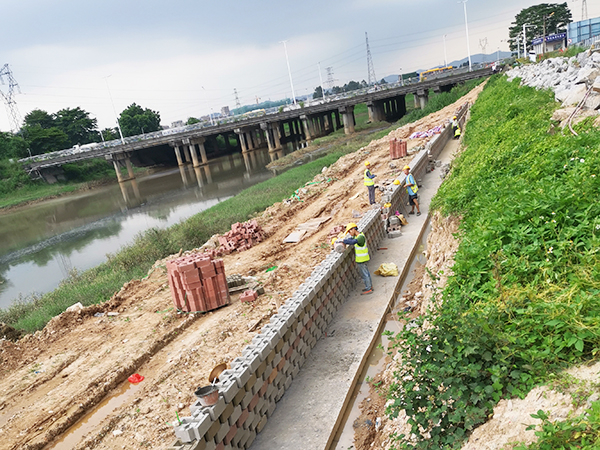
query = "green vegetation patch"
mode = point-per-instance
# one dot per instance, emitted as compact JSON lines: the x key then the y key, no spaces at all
{"x":523,"y":300}
{"x":100,"y":283}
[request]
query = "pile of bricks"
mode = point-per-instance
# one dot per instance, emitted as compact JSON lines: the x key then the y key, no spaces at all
{"x":198,"y":283}
{"x":397,"y":148}
{"x":241,"y":237}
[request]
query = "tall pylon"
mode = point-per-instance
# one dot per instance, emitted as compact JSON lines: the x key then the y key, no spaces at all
{"x":330,"y":81}
{"x":483,"y":44}
{"x":371,"y":78}
{"x":584,"y":12}
{"x":237,"y":99}
{"x":11,"y":104}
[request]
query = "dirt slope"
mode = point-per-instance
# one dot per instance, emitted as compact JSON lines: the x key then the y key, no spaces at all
{"x":51,"y":380}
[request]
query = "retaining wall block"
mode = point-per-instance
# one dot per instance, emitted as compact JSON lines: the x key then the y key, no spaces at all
{"x":215,"y":410}
{"x":235,"y":415}
{"x":242,"y":375}
{"x":250,"y":440}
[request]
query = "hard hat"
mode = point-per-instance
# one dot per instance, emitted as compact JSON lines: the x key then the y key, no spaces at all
{"x":367,"y":163}
{"x":350,"y":226}
{"x":454,"y":117}
{"x":396,"y":181}
{"x":406,"y":168}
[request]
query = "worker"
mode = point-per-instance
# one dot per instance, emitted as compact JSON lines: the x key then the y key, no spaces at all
{"x":361,"y":253}
{"x":454,"y":125}
{"x":369,"y":183}
{"x":411,"y":188}
{"x":456,"y":133}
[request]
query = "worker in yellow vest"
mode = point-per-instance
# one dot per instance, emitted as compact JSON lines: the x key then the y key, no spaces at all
{"x":361,"y":252}
{"x":369,"y":183}
{"x":411,"y":189}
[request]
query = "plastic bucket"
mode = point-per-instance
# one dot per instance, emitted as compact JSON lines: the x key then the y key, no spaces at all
{"x":208,"y":395}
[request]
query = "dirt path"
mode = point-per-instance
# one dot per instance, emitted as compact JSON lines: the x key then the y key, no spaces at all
{"x":51,"y":380}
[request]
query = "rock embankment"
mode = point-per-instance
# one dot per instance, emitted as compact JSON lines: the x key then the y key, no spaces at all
{"x":575,"y":82}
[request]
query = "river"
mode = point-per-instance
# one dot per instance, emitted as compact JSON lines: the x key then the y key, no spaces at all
{"x":41,"y":244}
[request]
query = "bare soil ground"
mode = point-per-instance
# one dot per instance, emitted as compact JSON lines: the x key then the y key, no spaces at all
{"x":55,"y":385}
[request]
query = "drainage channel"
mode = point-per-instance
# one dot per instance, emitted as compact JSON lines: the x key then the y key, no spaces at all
{"x":378,"y":358}
{"x":92,"y":419}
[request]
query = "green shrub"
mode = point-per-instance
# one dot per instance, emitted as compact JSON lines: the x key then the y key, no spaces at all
{"x":523,"y":298}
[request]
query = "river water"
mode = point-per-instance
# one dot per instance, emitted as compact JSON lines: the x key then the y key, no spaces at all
{"x":41,"y":244}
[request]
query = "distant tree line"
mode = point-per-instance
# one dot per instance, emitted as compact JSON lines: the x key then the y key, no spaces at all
{"x":44,"y":132}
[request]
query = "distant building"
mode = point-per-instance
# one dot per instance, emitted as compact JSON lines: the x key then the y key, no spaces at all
{"x":584,"y":32}
{"x":553,"y":42}
{"x":225,"y":111}
{"x":177,"y":123}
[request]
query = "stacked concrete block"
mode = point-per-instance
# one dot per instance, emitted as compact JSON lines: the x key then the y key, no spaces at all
{"x":198,"y":283}
{"x":258,"y":379}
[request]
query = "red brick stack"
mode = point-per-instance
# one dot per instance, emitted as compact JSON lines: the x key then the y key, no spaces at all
{"x":241,"y":237}
{"x":198,"y":283}
{"x":397,"y":148}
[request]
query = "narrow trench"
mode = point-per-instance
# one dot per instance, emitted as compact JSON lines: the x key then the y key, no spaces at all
{"x":378,"y":359}
{"x":93,"y":418}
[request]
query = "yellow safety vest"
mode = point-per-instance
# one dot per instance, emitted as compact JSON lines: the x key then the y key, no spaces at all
{"x":368,"y":181}
{"x":414,"y":186}
{"x":362,"y":253}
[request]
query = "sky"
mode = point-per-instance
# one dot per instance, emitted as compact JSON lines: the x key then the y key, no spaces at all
{"x":184,"y":58}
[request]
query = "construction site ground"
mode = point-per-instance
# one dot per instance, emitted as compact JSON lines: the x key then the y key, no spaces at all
{"x":66,"y":386}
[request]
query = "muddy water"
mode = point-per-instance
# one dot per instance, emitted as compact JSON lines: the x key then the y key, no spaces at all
{"x":41,"y":244}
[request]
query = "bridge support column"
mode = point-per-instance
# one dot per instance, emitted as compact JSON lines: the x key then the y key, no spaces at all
{"x":191,"y":148}
{"x":348,"y":117}
{"x":423,"y":95}
{"x":200,"y":142}
{"x":118,"y":160}
{"x":129,"y":168}
{"x":308,"y":128}
{"x":376,"y":111}
{"x":177,"y":153}
{"x":416,"y":99}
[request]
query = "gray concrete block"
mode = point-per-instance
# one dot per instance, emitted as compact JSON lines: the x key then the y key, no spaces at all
{"x":262,"y":424}
{"x":271,"y":391}
{"x":228,"y":389}
{"x":185,"y":433}
{"x":242,"y":375}
{"x":215,"y":410}
{"x":288,"y":382}
{"x":280,"y":393}
{"x":246,"y":400}
{"x":201,"y":425}
{"x":237,"y":362}
{"x":279,"y":380}
{"x":271,"y":409}
{"x":250,"y":440}
{"x":240,"y":435}
{"x":222,"y":432}
{"x":235,"y":415}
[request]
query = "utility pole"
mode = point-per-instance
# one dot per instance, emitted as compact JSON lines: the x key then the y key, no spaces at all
{"x":321,"y":79}
{"x":289,"y":70}
{"x":370,"y":68}
{"x":464,"y":2}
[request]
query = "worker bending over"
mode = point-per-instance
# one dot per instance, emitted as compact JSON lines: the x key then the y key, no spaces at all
{"x":361,"y":252}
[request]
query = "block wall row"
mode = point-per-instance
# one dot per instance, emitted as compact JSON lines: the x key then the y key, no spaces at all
{"x":258,"y":379}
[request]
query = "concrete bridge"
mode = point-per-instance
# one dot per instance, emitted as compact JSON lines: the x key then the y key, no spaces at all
{"x":198,"y":143}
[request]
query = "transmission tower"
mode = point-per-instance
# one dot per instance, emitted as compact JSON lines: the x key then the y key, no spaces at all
{"x":11,"y":104}
{"x":330,"y":80}
{"x":372,"y":79}
{"x":584,"y":12}
{"x":237,"y":99}
{"x":483,"y":44}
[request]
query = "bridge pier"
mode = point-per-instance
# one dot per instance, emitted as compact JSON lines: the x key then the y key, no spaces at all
{"x":376,"y":111}
{"x":175,"y":146}
{"x":348,"y":117}
{"x":200,"y":143}
{"x":423,"y":95}
{"x":271,"y":131}
{"x":118,"y":160}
